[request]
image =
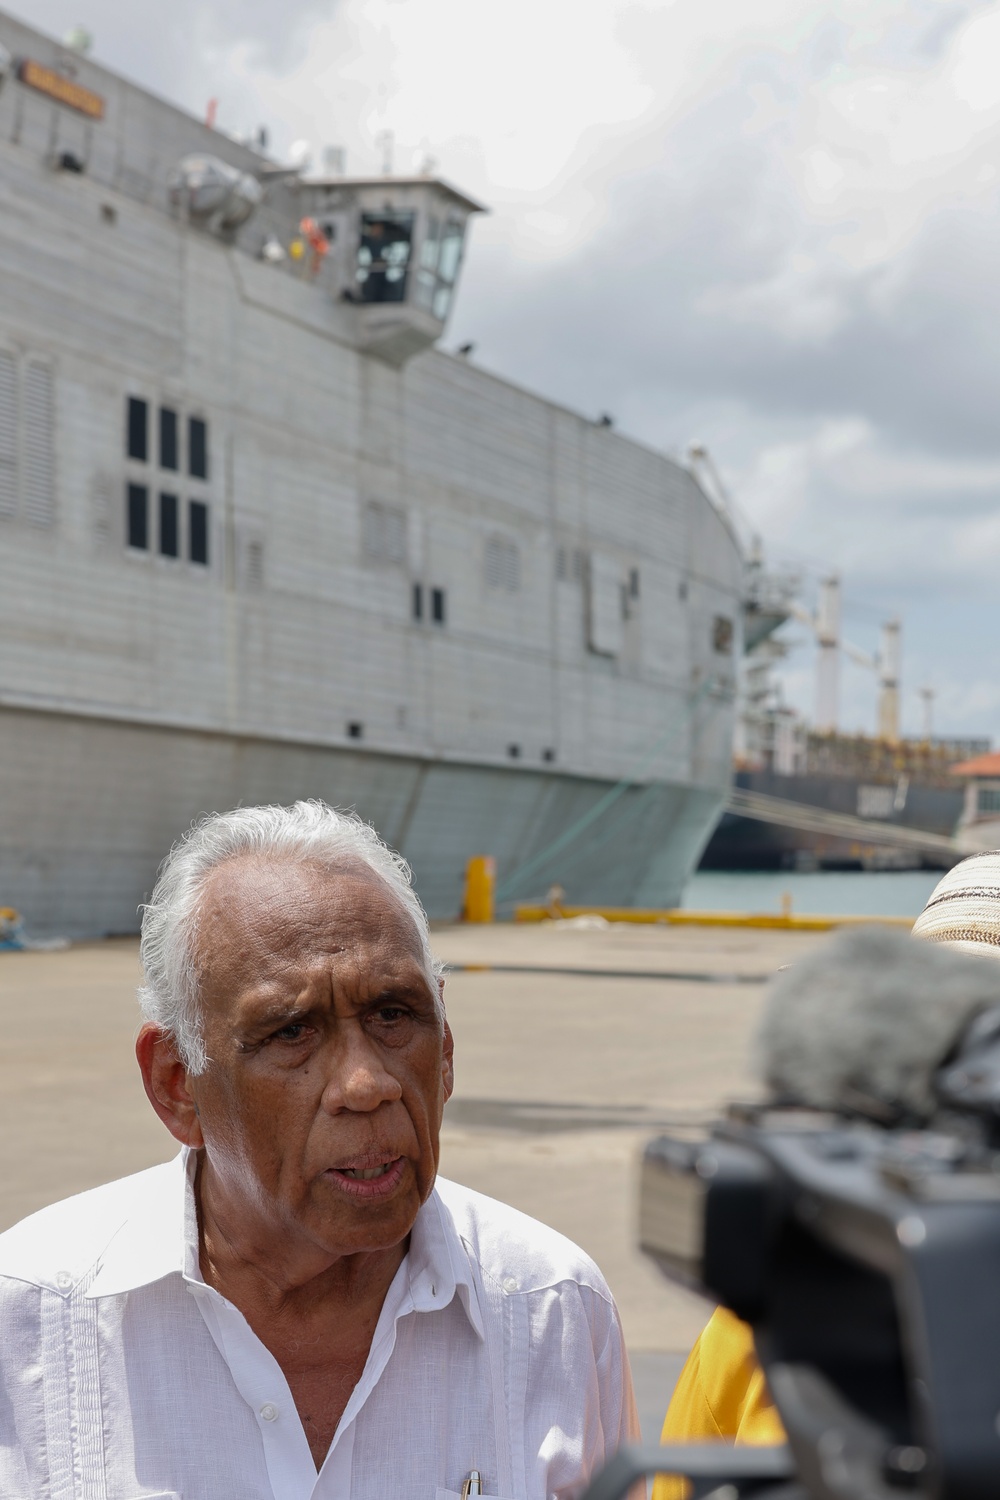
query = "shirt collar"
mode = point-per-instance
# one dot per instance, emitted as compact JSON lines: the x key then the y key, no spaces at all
{"x":151,"y":1242}
{"x":160,"y":1238}
{"x":439,"y":1265}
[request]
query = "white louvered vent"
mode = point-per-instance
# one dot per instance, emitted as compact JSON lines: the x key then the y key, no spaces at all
{"x":502,"y":563}
{"x":8,"y":434}
{"x":39,"y":464}
{"x":253,"y":565}
{"x":384,"y":533}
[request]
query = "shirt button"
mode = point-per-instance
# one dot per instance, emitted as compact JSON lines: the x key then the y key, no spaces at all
{"x":64,"y":1281}
{"x":509,"y":1284}
{"x":269,"y":1412}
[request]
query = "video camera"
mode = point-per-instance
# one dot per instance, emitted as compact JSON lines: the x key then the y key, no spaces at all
{"x":866,"y":1258}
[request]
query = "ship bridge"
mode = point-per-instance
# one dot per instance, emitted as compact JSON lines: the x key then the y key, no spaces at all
{"x":395,"y":247}
{"x":388,"y":248}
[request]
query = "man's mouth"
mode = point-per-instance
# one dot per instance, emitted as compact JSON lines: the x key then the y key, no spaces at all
{"x":371,"y":1179}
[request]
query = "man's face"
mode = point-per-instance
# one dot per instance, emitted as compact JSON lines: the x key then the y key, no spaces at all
{"x":330,"y":1060}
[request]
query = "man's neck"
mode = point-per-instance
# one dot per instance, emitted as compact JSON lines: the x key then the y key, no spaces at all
{"x":317,"y":1316}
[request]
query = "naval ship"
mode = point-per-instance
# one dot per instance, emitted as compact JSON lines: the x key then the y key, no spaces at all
{"x":262,"y":538}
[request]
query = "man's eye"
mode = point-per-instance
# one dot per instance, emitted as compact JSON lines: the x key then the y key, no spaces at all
{"x":293,"y":1032}
{"x":391,"y":1012}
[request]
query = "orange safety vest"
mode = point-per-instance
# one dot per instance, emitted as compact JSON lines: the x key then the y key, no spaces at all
{"x":721,"y":1396}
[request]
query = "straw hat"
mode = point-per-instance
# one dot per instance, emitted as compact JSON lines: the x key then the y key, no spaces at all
{"x":964,"y":907}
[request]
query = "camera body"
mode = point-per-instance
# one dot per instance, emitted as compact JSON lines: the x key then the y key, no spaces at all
{"x":867,"y":1261}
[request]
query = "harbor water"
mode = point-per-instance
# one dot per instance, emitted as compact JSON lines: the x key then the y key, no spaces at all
{"x":855,"y":893}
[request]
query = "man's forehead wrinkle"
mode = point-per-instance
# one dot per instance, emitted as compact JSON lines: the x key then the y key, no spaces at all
{"x":275,"y":883}
{"x":269,"y":925}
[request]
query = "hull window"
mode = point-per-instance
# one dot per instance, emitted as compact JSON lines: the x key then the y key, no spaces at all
{"x":137,"y":516}
{"x":137,"y":433}
{"x":197,"y":448}
{"x":169,"y":527}
{"x":168,"y":439}
{"x":198,"y":532}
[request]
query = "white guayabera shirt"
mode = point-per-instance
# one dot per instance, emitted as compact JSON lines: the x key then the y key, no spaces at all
{"x":122,"y":1375}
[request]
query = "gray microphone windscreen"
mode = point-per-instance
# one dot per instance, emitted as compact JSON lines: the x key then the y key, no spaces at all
{"x":863,"y":1023}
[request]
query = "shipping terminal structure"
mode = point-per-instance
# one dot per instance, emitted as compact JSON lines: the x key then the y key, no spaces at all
{"x":876,"y":795}
{"x":261,"y":539}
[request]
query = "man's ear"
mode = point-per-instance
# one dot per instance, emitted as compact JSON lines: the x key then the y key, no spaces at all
{"x":165,"y":1080}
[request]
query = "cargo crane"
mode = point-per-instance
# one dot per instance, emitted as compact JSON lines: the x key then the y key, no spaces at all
{"x":825,"y":624}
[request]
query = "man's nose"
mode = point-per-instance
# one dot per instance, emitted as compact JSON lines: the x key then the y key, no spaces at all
{"x":359,"y":1080}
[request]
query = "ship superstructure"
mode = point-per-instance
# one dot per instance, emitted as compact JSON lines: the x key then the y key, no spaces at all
{"x":260,"y":539}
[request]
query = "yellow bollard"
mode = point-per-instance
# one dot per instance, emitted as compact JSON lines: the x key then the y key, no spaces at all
{"x":480,"y":879}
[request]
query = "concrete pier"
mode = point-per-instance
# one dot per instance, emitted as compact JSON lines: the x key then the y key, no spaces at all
{"x":574,"y":1042}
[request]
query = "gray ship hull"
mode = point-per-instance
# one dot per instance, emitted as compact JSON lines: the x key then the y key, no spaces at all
{"x":261,"y":540}
{"x":92,"y":805}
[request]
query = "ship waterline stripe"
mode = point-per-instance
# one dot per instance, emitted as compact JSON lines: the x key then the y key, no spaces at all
{"x":114,"y":714}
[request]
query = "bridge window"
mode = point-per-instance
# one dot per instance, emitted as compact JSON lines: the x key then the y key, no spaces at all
{"x":384,"y":256}
{"x":440,"y":259}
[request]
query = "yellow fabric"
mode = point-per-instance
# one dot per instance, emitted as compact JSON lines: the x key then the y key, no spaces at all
{"x":721,"y":1394}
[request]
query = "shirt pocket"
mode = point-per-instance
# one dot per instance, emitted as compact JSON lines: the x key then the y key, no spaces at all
{"x":488,"y":1494}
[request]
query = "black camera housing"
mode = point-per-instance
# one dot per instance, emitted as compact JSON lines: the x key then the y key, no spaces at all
{"x":868,"y":1263}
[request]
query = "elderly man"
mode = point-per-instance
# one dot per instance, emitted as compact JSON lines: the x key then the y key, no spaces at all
{"x":294,"y":1306}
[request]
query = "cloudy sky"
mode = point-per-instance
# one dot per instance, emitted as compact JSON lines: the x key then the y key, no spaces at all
{"x":768,"y":226}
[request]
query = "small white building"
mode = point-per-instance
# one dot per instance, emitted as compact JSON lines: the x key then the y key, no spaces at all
{"x":979,"y":826}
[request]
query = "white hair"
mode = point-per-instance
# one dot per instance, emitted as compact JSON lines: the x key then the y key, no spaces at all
{"x":308,"y":833}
